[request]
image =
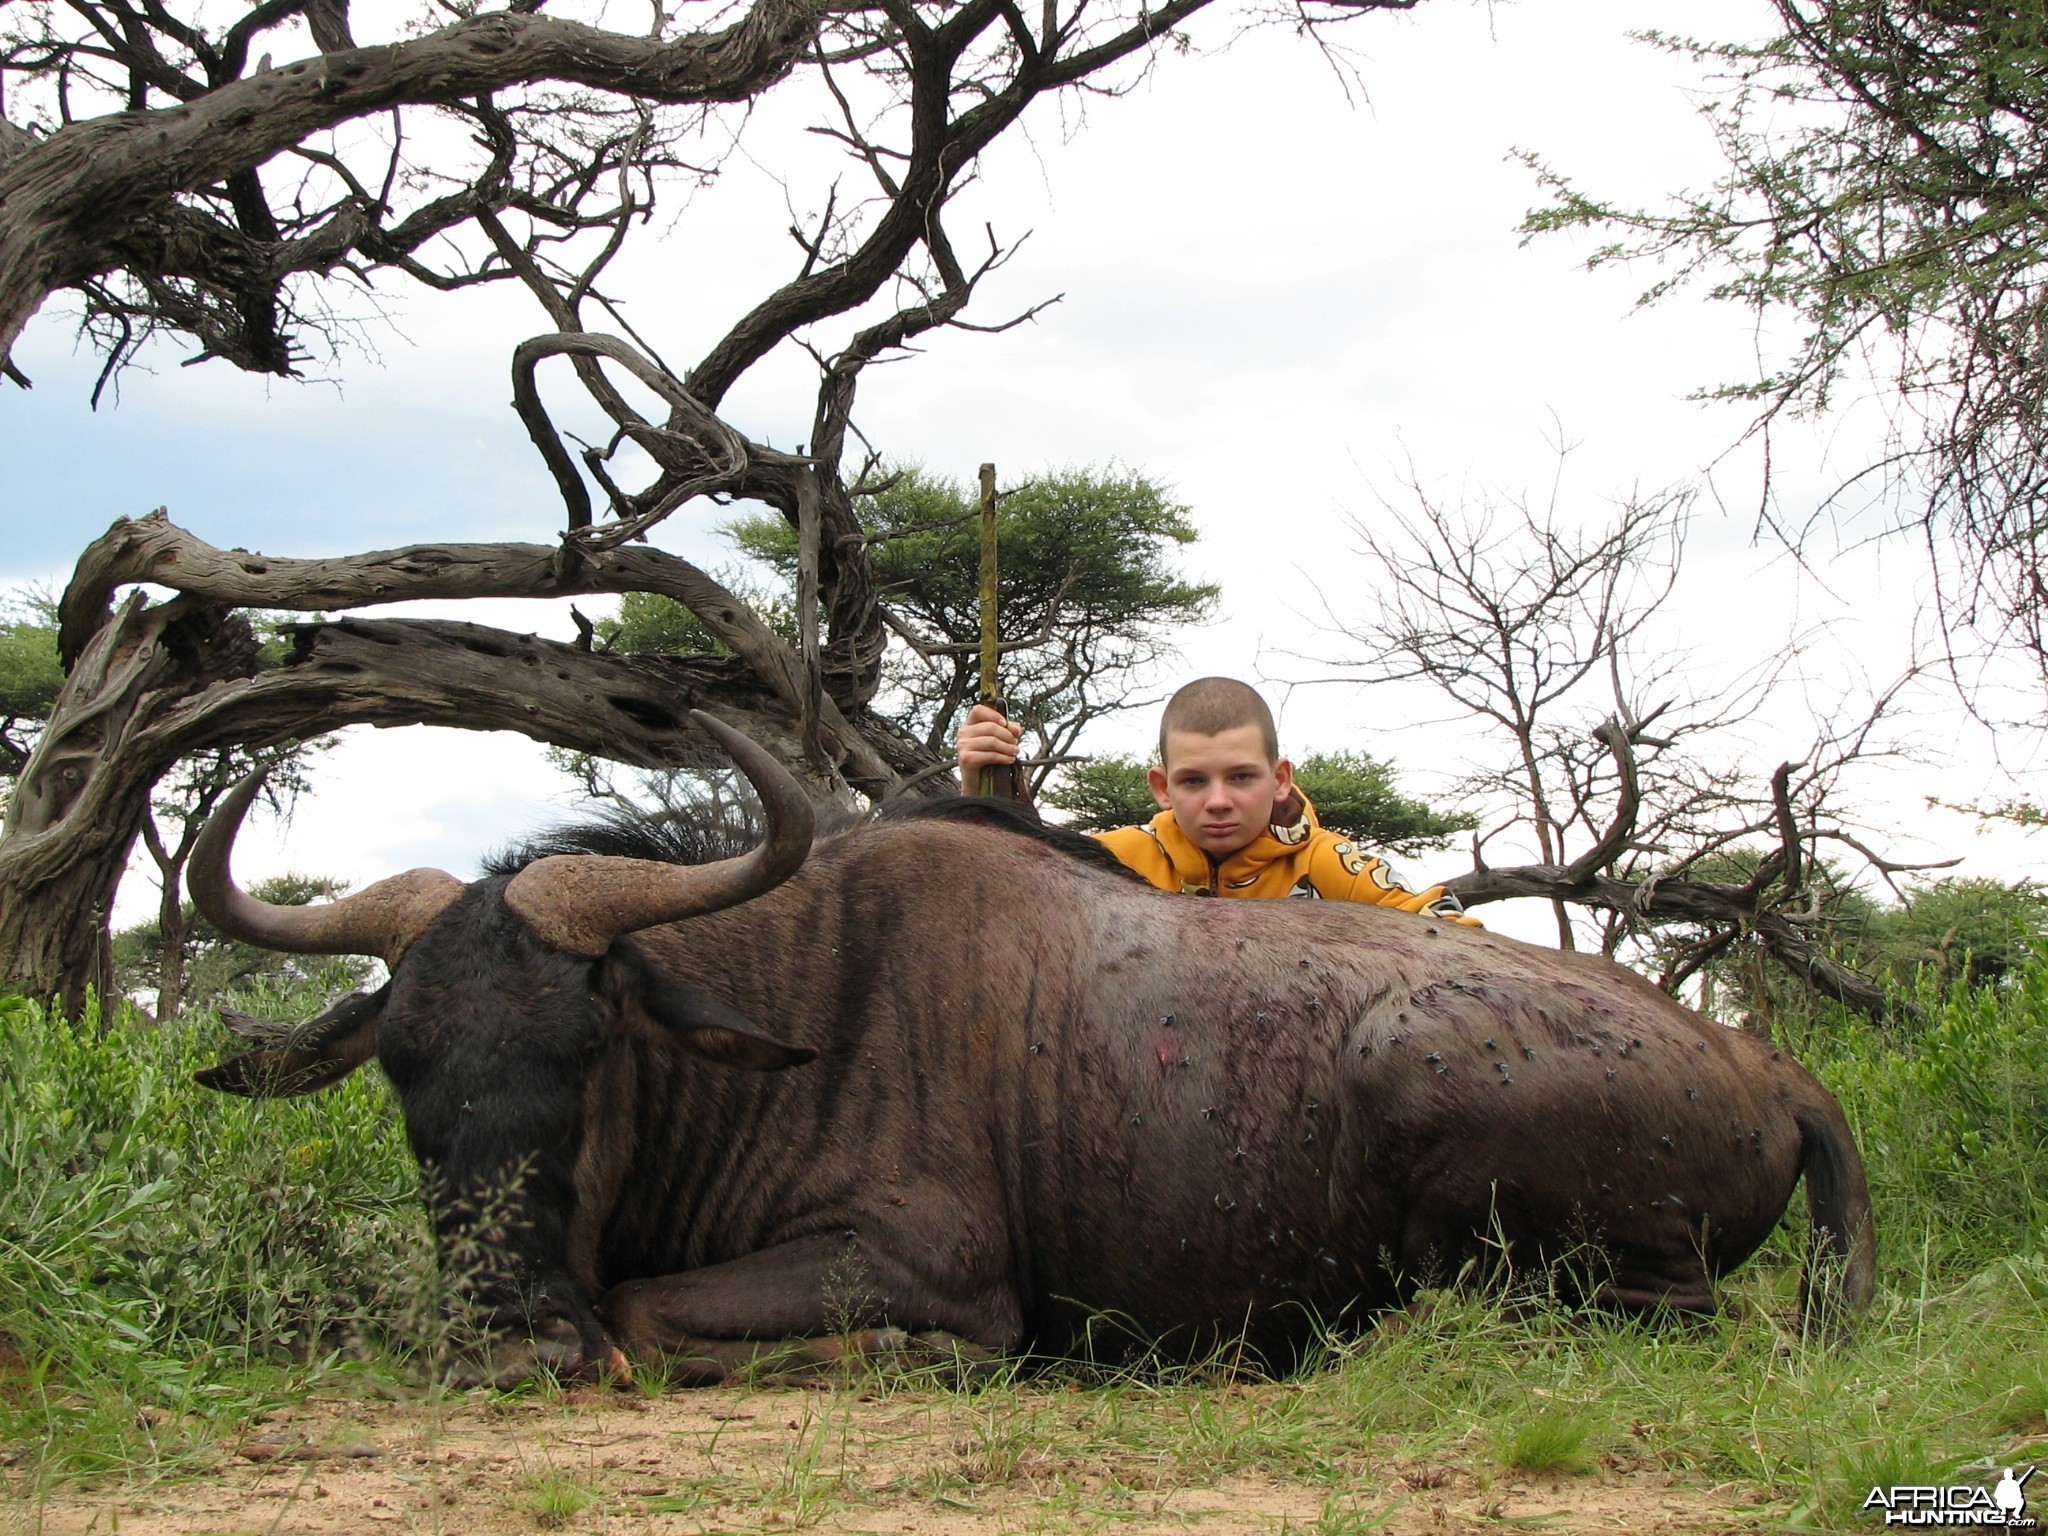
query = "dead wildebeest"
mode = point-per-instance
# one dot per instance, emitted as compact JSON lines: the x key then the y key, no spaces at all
{"x":1020,"y":1093}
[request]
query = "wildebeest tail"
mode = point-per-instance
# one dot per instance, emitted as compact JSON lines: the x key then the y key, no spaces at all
{"x":1841,"y":1261}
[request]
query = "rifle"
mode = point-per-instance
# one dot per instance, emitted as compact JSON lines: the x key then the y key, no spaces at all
{"x":1000,"y":781}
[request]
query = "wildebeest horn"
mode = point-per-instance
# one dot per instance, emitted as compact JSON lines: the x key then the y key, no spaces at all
{"x":381,"y":919}
{"x":580,"y":902}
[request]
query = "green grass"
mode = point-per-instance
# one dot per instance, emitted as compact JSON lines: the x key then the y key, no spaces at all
{"x":1549,"y":1440}
{"x":174,"y":1262}
{"x":554,"y":1499}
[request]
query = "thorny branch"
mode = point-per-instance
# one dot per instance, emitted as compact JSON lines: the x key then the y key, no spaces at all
{"x":1523,"y":618}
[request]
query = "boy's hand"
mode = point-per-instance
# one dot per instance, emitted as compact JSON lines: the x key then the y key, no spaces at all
{"x":987,"y":740}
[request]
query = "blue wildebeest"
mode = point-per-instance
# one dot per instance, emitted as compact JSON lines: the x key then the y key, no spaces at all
{"x":950,"y":1073}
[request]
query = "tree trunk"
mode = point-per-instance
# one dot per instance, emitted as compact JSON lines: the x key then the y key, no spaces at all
{"x":82,"y":798}
{"x":173,"y":929}
{"x":153,"y":684}
{"x":54,"y":934}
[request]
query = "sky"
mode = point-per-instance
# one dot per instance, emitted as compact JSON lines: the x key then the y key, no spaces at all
{"x":1282,"y":293}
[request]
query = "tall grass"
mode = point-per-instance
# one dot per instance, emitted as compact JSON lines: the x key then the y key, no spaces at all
{"x":164,"y":1248}
{"x":171,"y":1259}
{"x":1951,"y":1110}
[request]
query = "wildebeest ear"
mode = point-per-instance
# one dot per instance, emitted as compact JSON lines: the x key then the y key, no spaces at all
{"x":694,"y":1019}
{"x":294,"y":1059}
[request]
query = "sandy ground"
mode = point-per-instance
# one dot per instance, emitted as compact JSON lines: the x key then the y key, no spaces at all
{"x":907,"y":1464}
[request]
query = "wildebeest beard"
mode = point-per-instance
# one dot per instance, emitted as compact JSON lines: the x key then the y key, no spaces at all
{"x":1045,"y":1096}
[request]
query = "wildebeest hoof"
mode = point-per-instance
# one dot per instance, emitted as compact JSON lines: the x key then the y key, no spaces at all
{"x":554,"y":1348}
{"x":969,"y":1359}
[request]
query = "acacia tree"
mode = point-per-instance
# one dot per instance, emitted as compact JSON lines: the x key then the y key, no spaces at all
{"x":184,"y":801}
{"x":1887,"y":193}
{"x":1354,"y":794}
{"x":151,"y":170}
{"x":1086,"y":590}
{"x":1671,"y":850}
{"x":30,"y":676}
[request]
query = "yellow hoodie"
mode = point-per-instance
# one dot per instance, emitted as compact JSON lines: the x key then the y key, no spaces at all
{"x":1298,"y":858}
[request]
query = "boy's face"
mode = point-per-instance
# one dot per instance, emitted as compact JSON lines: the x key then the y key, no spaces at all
{"x":1221,"y":788}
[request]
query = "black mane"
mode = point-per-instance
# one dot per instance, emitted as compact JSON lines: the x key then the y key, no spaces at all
{"x":704,"y":834}
{"x":1008,"y":816}
{"x":698,"y":835}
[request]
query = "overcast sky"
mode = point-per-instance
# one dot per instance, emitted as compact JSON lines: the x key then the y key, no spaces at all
{"x":1277,"y":300}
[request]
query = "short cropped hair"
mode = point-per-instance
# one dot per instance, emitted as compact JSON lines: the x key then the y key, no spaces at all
{"x":1211,"y":705}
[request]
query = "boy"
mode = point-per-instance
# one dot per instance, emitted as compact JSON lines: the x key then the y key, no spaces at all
{"x":1231,"y":821}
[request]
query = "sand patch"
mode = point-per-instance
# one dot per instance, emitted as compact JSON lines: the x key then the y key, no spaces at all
{"x":906,"y":1463}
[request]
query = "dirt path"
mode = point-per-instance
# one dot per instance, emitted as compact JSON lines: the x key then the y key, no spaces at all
{"x":781,"y":1459}
{"x":903,"y":1463}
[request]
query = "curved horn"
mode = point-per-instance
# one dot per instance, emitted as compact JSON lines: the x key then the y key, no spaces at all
{"x":580,"y":902}
{"x":381,"y":919}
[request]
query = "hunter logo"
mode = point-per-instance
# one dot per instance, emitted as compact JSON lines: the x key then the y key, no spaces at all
{"x":2001,"y":1507}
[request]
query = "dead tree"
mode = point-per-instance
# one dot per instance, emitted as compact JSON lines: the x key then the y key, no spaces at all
{"x":1658,"y":896}
{"x":1538,"y":627}
{"x":217,"y":199}
{"x":1508,"y":613}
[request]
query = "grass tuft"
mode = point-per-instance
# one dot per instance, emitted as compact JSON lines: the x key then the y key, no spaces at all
{"x":554,"y":1499}
{"x":1549,"y":1440}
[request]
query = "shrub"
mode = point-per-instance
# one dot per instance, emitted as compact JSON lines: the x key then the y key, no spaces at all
{"x":158,"y":1232}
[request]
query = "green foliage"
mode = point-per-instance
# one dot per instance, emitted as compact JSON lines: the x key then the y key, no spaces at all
{"x":1355,"y":794}
{"x":1096,"y":543}
{"x":1952,"y":1115}
{"x":555,"y":1499}
{"x":650,"y":624}
{"x":1086,"y":560}
{"x":1352,"y":793}
{"x":1887,"y":193}
{"x":1102,"y":793}
{"x":1961,"y":929}
{"x":159,"y":1240}
{"x":1549,"y":1440}
{"x":30,"y":675}
{"x":217,"y":968}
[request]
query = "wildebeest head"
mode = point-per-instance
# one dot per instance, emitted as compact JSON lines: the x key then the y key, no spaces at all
{"x":513,"y":1000}
{"x":517,"y":942}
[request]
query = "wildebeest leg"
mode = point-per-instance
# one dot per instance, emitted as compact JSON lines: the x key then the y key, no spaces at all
{"x":547,"y":1344}
{"x":1686,"y":1295}
{"x":694,"y":1362}
{"x":802,"y":1297}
